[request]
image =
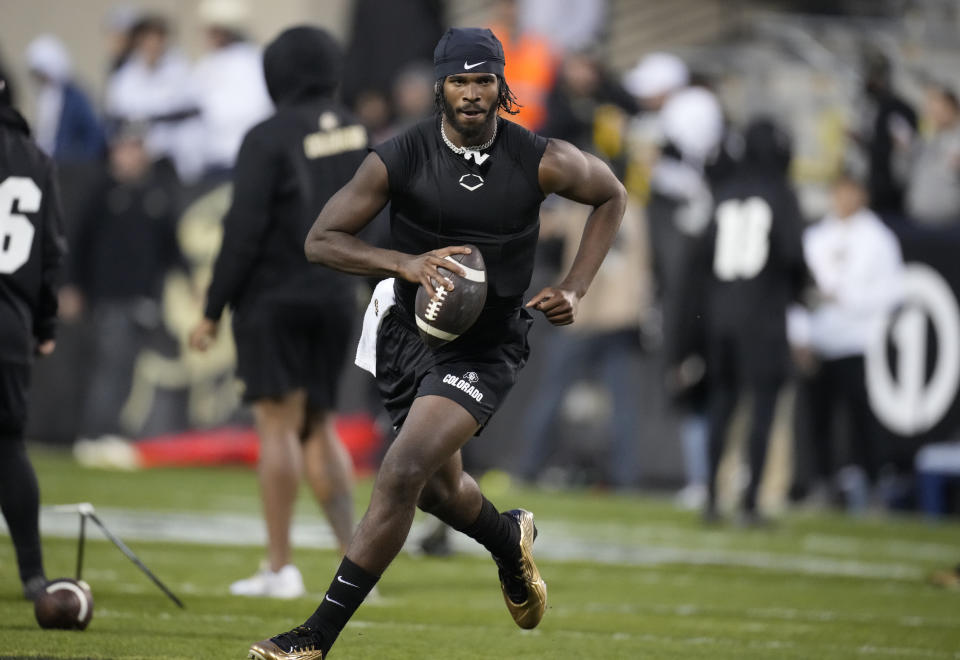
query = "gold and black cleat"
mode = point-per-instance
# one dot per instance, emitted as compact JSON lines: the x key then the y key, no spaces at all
{"x":524,"y":591}
{"x":301,"y":643}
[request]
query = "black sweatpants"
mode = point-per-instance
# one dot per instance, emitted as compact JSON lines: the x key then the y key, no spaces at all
{"x":738,"y":367}
{"x":19,"y":493}
{"x":838,"y":389}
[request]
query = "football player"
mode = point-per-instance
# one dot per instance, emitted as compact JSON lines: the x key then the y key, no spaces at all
{"x":466,"y":175}
{"x":751,"y":263}
{"x":31,"y":250}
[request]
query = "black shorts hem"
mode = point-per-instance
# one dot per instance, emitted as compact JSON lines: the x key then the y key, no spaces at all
{"x":478,"y":377}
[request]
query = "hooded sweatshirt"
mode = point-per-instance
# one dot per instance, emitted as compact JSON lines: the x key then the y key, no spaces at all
{"x":287,"y":169}
{"x":31,"y":241}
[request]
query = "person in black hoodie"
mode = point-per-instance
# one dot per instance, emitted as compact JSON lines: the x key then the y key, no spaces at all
{"x":31,"y":250}
{"x":750,"y":263}
{"x":292,"y":321}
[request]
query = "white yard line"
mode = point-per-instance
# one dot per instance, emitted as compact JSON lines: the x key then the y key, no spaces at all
{"x":648,"y":638}
{"x":559,"y":541}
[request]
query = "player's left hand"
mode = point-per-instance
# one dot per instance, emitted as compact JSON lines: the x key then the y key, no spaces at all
{"x":45,"y":348}
{"x":558,"y":305}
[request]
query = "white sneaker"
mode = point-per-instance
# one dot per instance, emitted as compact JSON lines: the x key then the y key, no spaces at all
{"x":108,"y":452}
{"x":285,"y":583}
{"x":691,"y":497}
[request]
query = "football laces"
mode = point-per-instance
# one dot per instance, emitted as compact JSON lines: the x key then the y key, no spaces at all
{"x":436,"y":303}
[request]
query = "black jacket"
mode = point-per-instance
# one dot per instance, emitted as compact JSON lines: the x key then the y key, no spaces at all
{"x":31,"y":241}
{"x":287,"y":169}
{"x":125,"y":240}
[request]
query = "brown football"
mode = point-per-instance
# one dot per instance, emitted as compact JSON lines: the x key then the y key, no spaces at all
{"x":449,"y":314}
{"x":64,"y":603}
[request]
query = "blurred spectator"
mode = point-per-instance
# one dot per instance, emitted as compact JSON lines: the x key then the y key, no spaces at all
{"x":7,"y":92}
{"x":857,"y":267}
{"x":123,"y":246}
{"x":118,"y":26}
{"x":751,"y":260}
{"x":413,"y":95}
{"x":153,"y":86}
{"x":655,"y":77}
{"x":227,"y":84}
{"x":373,"y":111}
{"x":650,"y":82}
{"x":66,"y":126}
{"x":933,"y":192}
{"x":688,"y":130}
{"x":569,"y":25}
{"x":587,"y":108}
{"x":291,"y":319}
{"x":375,"y":55}
{"x":887,"y":131}
{"x":530,"y":64}
{"x":600,"y":344}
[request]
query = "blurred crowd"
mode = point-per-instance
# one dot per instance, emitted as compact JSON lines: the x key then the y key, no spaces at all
{"x":661,"y":309}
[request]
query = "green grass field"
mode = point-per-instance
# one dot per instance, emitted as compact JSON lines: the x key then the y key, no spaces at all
{"x":629,"y":577}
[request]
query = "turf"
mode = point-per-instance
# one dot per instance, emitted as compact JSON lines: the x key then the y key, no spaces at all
{"x":817,"y":586}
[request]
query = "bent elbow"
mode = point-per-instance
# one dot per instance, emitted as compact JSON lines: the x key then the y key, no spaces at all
{"x":313,"y":248}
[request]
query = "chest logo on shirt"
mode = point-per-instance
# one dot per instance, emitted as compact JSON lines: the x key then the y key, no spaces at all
{"x":478,"y":157}
{"x":471,"y":181}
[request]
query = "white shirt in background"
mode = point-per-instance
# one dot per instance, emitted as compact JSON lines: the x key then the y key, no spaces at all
{"x":138,"y":92}
{"x":229,"y":88}
{"x":857,"y":265}
{"x":569,"y":25}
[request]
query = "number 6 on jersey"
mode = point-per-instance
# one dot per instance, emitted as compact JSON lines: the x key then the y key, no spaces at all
{"x":16,"y":230}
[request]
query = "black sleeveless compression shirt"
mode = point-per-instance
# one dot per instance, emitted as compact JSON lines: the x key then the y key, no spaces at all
{"x":440,"y":198}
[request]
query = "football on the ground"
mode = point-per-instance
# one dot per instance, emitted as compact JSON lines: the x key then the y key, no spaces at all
{"x":448,"y":314}
{"x":64,"y":603}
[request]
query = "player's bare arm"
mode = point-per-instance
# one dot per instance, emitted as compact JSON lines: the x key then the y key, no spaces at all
{"x":581,"y":177}
{"x":332,"y":240}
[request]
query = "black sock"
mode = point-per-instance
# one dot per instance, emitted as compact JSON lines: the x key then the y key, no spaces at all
{"x":346,"y":592}
{"x":497,"y":532}
{"x":20,"y":503}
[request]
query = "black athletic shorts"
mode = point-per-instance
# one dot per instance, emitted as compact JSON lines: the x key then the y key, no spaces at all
{"x":285,"y":346}
{"x":14,"y":387}
{"x":477,"y":370}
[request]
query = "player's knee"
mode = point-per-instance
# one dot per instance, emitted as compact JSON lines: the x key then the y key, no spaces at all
{"x":403,"y":479}
{"x":436,"y":492}
{"x":314,"y":422}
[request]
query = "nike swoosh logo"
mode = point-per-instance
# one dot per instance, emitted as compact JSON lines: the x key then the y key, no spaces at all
{"x":471,"y":66}
{"x":349,"y":584}
{"x":335,"y":602}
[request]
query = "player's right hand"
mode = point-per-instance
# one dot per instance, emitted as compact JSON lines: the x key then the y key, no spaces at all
{"x":424,"y":269}
{"x":203,"y":334}
{"x":45,"y":348}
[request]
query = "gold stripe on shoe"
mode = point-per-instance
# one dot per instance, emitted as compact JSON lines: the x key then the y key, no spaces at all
{"x":528,"y":613}
{"x":267,"y":650}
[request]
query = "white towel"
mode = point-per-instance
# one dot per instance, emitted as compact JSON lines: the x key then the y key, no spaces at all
{"x":380,"y":303}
